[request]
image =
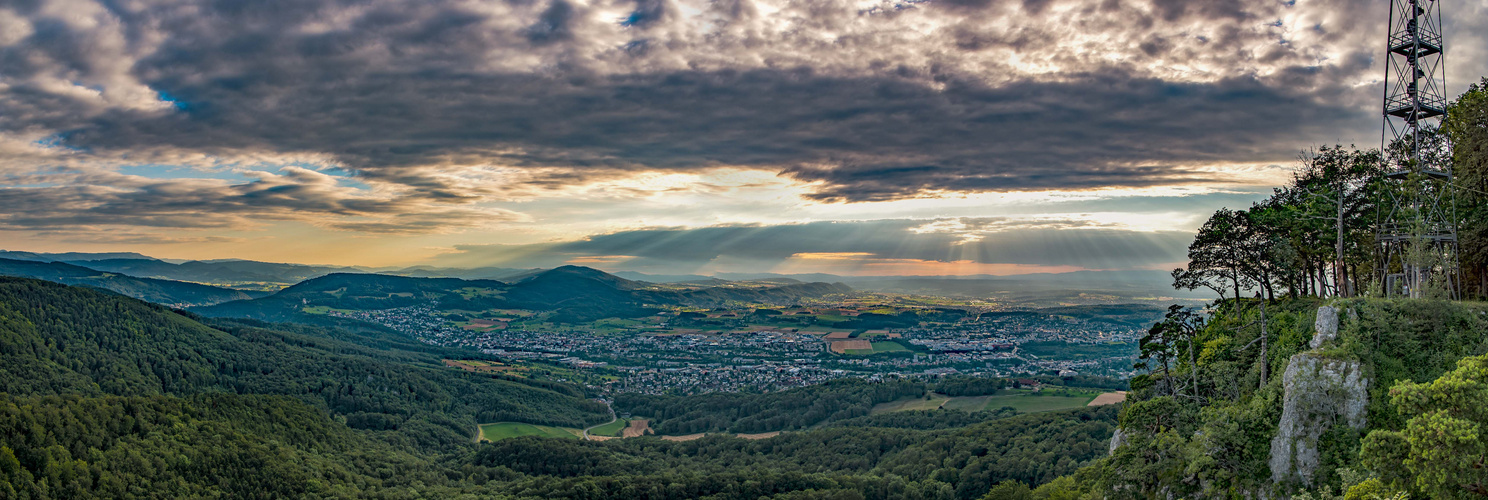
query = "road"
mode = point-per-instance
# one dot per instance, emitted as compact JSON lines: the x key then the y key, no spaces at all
{"x":613,"y":418}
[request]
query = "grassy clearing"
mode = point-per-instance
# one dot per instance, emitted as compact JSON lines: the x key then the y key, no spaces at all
{"x":879,"y":347}
{"x":610,"y":429}
{"x":919,"y":403}
{"x":323,"y":310}
{"x":473,"y":292}
{"x":1035,"y":402}
{"x":1022,"y":401}
{"x":503,"y":430}
{"x":974,"y":403}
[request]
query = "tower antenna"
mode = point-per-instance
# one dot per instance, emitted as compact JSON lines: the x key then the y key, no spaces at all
{"x":1418,"y":234}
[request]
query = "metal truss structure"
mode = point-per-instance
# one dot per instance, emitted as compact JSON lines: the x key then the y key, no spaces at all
{"x":1418,"y":231}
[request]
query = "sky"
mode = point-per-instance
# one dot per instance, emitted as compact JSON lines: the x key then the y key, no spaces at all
{"x":917,"y":137}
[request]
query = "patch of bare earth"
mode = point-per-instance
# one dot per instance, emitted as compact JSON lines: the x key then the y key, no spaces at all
{"x":1109,"y":398}
{"x":636,"y":428}
{"x":762,"y":435}
{"x":842,"y":346}
{"x":478,"y":366}
{"x":688,"y":437}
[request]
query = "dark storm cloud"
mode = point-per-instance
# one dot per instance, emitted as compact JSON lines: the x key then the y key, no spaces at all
{"x":297,"y":194}
{"x":554,"y":24}
{"x":865,"y":138}
{"x":1057,"y":243}
{"x":399,"y":91}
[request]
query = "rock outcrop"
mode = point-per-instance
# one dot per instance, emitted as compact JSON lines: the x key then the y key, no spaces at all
{"x":1325,"y":328}
{"x":1118,"y":438}
{"x":1320,"y":392}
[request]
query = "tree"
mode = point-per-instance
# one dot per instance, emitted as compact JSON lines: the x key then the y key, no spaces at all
{"x":1309,"y":238}
{"x":1467,"y":124}
{"x":1338,"y":187}
{"x":1214,"y":258}
{"x":1442,"y":447}
{"x":1009,"y":490}
{"x":1177,"y":332}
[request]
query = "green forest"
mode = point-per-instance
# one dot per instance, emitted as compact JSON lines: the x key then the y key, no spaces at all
{"x":787,"y":410}
{"x":109,"y":397}
{"x":67,"y":340}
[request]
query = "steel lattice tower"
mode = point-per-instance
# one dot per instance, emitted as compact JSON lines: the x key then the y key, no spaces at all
{"x":1418,"y":234}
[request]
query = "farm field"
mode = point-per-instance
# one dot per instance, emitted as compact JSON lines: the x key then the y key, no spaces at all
{"x":1030,"y":403}
{"x":473,"y":365}
{"x":611,"y":429}
{"x":503,"y":430}
{"x":324,"y":310}
{"x":919,"y":403}
{"x":1022,"y":401}
{"x":637,"y":428}
{"x":846,"y":346}
{"x":879,"y":347}
{"x":481,"y":324}
{"x":1109,"y":398}
{"x":973,"y":403}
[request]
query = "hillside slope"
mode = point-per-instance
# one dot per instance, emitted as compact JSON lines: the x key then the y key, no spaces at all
{"x":103,"y":396}
{"x":213,"y":271}
{"x":57,"y":340}
{"x":575,"y":293}
{"x":176,"y":293}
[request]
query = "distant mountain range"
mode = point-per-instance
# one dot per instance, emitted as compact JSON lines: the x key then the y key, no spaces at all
{"x":69,"y":256}
{"x":575,"y":293}
{"x":176,"y":293}
{"x":223,"y":271}
{"x":230,"y":274}
{"x":237,"y":271}
{"x":233,"y":271}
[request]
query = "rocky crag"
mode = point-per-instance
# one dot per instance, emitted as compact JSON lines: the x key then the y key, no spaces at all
{"x":1321,"y":391}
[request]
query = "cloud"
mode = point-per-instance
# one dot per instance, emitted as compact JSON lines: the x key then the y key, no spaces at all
{"x":130,"y":237}
{"x":892,"y":243}
{"x":863,"y":101}
{"x":74,"y":200}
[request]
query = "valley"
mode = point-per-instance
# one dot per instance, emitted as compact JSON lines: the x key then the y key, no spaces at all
{"x":580,"y":325}
{"x":93,"y":380}
{"x":505,"y":372}
{"x":683,"y":347}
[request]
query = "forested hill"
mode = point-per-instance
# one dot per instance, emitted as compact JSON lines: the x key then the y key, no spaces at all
{"x":214,"y":271}
{"x":56,"y":339}
{"x":103,"y":396}
{"x":576,"y":293}
{"x":153,"y":290}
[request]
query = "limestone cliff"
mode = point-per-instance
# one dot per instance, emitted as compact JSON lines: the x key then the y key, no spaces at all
{"x":1320,"y":392}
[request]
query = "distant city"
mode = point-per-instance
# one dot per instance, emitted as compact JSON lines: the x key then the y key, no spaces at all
{"x":659,"y":358}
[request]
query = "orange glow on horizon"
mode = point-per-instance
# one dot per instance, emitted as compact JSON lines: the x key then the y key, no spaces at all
{"x":864,"y":264}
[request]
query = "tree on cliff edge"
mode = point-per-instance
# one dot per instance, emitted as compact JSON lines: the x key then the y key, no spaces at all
{"x":1442,"y":450}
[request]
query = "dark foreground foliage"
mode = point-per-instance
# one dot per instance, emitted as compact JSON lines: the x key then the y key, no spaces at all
{"x":278,"y":447}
